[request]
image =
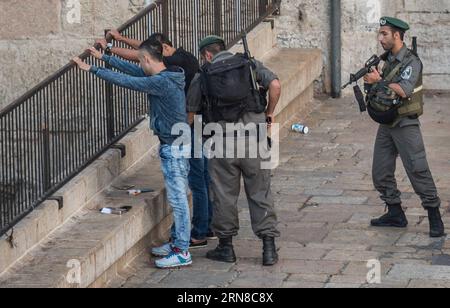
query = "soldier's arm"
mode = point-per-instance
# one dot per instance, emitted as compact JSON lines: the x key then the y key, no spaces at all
{"x":409,"y":77}
{"x":269,"y":80}
{"x":264,"y":75}
{"x":398,"y":89}
{"x":274,"y":96}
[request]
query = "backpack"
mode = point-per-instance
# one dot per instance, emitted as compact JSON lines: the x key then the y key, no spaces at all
{"x":228,"y":90}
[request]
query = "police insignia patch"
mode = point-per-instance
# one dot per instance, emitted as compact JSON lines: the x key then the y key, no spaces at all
{"x":406,"y":75}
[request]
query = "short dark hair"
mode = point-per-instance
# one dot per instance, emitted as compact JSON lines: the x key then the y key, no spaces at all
{"x":213,"y":48}
{"x":400,"y":31}
{"x":162,"y":38}
{"x":153,"y":48}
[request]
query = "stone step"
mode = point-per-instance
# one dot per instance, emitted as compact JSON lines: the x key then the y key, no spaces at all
{"x":297,"y":70}
{"x":261,"y":40}
{"x":90,"y":243}
{"x":80,"y":192}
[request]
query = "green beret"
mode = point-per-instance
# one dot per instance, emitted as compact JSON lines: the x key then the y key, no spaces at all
{"x":394,"y":22}
{"x":209,"y":40}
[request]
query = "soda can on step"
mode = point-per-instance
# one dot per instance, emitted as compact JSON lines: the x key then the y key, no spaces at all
{"x":299,"y":128}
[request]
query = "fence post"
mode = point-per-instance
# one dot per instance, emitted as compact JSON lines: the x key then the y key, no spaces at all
{"x":165,"y":17}
{"x":263,"y":4}
{"x":218,"y":17}
{"x":238,"y":16}
{"x":196,"y":25}
{"x":46,"y":173}
{"x":277,"y":4}
{"x":109,"y":99}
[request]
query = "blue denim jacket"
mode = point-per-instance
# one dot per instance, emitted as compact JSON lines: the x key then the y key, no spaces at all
{"x":165,"y":93}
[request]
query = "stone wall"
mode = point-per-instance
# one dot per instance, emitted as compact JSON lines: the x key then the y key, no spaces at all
{"x":39,"y":37}
{"x":430,"y":21}
{"x":305,"y":23}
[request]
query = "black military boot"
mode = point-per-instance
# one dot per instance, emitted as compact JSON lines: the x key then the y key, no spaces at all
{"x":437,"y":228}
{"x":224,"y":251}
{"x":270,"y":255}
{"x":395,"y":217}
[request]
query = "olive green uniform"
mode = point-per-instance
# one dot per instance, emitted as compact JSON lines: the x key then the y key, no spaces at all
{"x":226,"y":173}
{"x":403,"y":139}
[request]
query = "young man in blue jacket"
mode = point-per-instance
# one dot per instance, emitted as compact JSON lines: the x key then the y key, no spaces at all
{"x":165,"y":89}
{"x":198,"y":175}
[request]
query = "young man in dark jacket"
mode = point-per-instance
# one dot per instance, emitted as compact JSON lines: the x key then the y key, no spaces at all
{"x":172,"y":56}
{"x":165,"y":89}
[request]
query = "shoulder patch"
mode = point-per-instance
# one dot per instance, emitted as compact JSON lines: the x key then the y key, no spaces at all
{"x":407,"y":73}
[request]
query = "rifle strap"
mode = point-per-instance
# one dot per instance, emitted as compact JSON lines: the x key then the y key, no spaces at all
{"x":360,"y":98}
{"x":393,"y":73}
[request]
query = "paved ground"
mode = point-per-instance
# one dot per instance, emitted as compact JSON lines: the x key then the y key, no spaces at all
{"x":325,"y":199}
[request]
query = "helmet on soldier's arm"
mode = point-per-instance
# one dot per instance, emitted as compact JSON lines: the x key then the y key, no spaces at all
{"x":382,"y":104}
{"x":386,"y":96}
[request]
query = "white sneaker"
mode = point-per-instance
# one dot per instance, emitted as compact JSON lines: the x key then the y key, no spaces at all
{"x":175,"y":259}
{"x":162,"y":251}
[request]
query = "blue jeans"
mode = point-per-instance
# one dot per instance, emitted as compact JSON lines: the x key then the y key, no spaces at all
{"x":176,"y":172}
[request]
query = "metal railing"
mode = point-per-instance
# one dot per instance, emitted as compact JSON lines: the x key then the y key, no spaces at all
{"x":58,"y":128}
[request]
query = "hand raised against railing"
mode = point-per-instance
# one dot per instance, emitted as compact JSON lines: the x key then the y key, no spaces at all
{"x":115,"y":35}
{"x":95,"y":53}
{"x":102,"y":42}
{"x":81,"y":64}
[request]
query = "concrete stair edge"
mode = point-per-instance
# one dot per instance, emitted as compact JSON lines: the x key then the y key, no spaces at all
{"x":48,"y":217}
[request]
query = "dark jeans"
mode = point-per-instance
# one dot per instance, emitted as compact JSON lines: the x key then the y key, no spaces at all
{"x":203,"y":208}
{"x":199,"y":184}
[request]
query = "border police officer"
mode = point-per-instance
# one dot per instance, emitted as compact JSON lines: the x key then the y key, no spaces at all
{"x":395,"y":100}
{"x":225,"y":93}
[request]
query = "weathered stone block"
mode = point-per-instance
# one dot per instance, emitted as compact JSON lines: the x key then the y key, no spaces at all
{"x":29,"y":18}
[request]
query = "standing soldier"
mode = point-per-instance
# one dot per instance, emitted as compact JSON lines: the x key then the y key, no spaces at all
{"x":395,"y":100}
{"x":225,"y":92}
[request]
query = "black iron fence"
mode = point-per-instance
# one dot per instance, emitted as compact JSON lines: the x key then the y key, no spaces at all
{"x":55,"y":130}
